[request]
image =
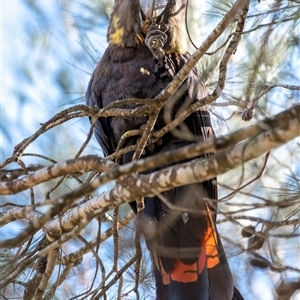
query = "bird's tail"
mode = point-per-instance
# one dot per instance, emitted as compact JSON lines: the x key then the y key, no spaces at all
{"x":207,"y":277}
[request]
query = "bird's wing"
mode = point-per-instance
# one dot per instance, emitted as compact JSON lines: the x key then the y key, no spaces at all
{"x":102,"y":131}
{"x":190,"y":262}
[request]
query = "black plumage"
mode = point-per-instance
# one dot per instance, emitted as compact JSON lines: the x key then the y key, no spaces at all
{"x":189,"y":260}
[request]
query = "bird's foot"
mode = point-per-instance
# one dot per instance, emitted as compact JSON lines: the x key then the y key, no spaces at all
{"x":156,"y":38}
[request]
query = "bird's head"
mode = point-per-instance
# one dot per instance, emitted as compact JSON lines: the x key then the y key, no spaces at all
{"x":131,"y":19}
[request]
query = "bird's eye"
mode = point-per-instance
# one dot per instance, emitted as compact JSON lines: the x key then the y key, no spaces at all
{"x":153,"y":8}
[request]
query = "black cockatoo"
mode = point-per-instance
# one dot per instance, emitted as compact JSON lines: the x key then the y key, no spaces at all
{"x":147,"y":48}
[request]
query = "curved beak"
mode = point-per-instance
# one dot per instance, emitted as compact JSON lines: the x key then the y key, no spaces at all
{"x":153,"y":8}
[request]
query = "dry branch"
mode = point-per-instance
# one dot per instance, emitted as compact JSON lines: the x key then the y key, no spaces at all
{"x":134,"y":186}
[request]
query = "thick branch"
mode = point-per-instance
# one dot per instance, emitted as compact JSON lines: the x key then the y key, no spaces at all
{"x":134,"y":187}
{"x":169,"y":157}
{"x":164,"y":179}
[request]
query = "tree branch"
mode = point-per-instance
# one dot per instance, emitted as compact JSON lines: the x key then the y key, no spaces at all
{"x":133,"y":187}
